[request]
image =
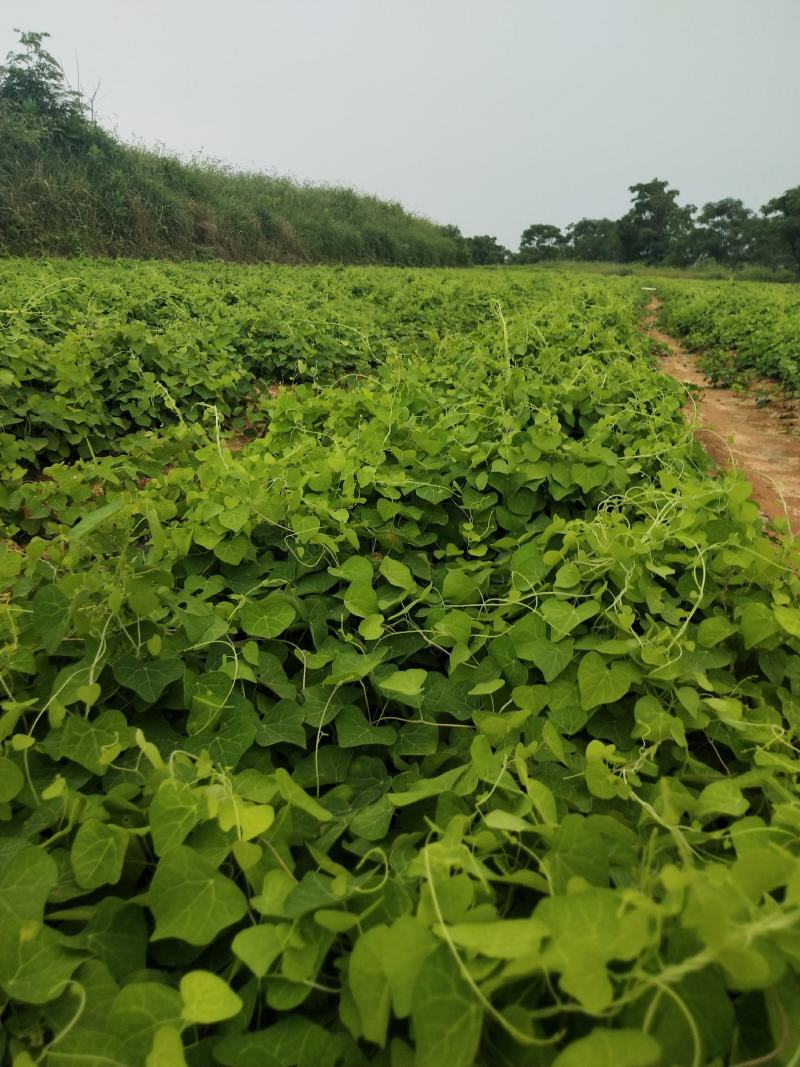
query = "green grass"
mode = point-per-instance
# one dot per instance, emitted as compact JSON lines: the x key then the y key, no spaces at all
{"x":754,"y":272}
{"x":79,"y":191}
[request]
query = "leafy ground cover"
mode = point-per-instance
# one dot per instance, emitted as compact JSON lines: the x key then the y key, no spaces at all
{"x":742,"y":330}
{"x":451,"y":719}
{"x":94,"y":351}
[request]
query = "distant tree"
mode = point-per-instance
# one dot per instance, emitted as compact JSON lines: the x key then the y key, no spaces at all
{"x":485,"y":250}
{"x":453,"y":233}
{"x":659,"y":230}
{"x":726,"y":231}
{"x":656,"y":229}
{"x":32,"y":81}
{"x":783,"y":217}
{"x":540,"y":241}
{"x":593,"y":240}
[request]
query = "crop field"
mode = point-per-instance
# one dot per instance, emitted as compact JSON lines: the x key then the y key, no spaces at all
{"x":741,"y":330}
{"x":384,"y":678}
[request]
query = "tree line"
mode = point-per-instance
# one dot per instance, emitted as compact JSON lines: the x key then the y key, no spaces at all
{"x":657,"y":230}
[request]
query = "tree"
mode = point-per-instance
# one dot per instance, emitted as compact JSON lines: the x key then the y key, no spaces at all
{"x":593,"y":240}
{"x":485,"y":250}
{"x":454,"y":234}
{"x":32,"y":81}
{"x":656,"y":229}
{"x":540,"y":241}
{"x":726,"y":232}
{"x":783,"y":215}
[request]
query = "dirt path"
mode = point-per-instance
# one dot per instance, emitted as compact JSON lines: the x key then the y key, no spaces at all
{"x":735,"y":431}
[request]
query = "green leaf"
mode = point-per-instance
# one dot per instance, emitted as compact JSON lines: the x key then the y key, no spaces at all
{"x":70,"y":682}
{"x":25,"y":884}
{"x":397,"y":573}
{"x":139,"y":1011}
{"x":259,"y":946}
{"x":408,"y":944}
{"x":294,"y":1041}
{"x":174,"y":812}
{"x":95,"y":744}
{"x":611,"y":1048}
{"x":446,"y":1016}
{"x":232,"y":550}
{"x":352,"y":666}
{"x":190,"y":899}
{"x":34,"y":966}
{"x":369,"y":984}
{"x":371,"y":627}
{"x":38,"y":967}
{"x":599,"y":684}
{"x":551,"y":658}
{"x":758,"y":623}
{"x":209,"y":695}
{"x":486,"y":688}
{"x":417,"y":739}
{"x":11,"y":780}
{"x":117,"y":934}
{"x":147,"y":678}
{"x":527,"y":567}
{"x":455,"y":626}
{"x":167,"y":1049}
{"x":715,"y":629}
{"x":460,"y":588}
{"x":422,"y":788}
{"x":587,"y":930}
{"x":293,"y":794}
{"x":564,"y":617}
{"x":789,"y":619}
{"x":509,"y":939}
{"x":207,"y":999}
{"x":506,"y":820}
{"x":235,"y":518}
{"x":50,"y":616}
{"x":282,"y":723}
{"x":372,"y":821}
{"x":94,"y":519}
{"x":268,"y":617}
{"x":98,"y":853}
{"x":403,"y":683}
{"x":361,"y":600}
{"x":354,"y":729}
{"x":724,"y":797}
{"x":354,"y":569}
{"x":567,"y":576}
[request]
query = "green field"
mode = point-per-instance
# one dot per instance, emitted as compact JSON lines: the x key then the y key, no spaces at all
{"x":384,"y":678}
{"x":742,"y":331}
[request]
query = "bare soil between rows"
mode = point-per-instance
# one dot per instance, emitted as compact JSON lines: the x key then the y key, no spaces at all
{"x":762,"y":442}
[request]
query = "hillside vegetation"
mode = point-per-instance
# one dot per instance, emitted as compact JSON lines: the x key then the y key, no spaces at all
{"x":67,"y":187}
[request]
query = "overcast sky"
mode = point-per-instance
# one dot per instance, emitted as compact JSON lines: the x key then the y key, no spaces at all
{"x":490,"y":114}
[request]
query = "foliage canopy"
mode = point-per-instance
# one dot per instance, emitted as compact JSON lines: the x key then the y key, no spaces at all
{"x":449,"y":717}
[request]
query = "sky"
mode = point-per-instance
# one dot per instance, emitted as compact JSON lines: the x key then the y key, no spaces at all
{"x":489,"y":114}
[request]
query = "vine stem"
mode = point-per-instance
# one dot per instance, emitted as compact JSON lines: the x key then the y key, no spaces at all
{"x":489,"y":1008}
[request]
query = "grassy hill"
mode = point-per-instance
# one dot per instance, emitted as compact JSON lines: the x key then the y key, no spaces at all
{"x":68,"y":187}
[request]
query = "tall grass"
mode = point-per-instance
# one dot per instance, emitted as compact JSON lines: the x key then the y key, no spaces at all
{"x":80,"y":191}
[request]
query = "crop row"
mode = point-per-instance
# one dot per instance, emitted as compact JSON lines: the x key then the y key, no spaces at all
{"x":92,"y":353}
{"x":740,"y":330}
